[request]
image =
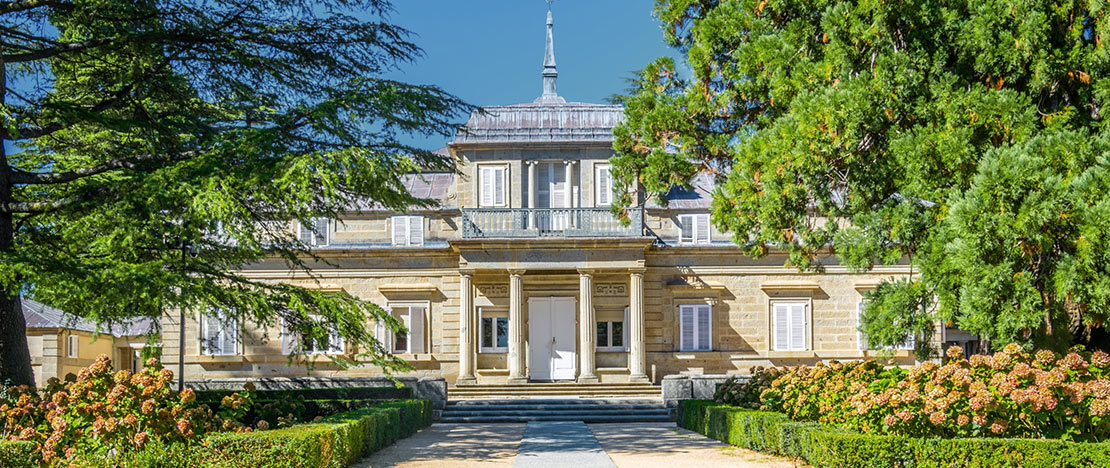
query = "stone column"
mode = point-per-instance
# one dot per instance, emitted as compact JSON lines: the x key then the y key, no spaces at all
{"x":517,"y":374}
{"x":636,"y":357}
{"x":587,"y":329}
{"x":466,"y":330}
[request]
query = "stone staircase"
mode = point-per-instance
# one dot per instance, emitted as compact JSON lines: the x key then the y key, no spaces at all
{"x":522,"y":410}
{"x":556,"y":390}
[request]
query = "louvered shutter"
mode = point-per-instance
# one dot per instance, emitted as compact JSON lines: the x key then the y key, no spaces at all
{"x":861,"y":339}
{"x":558,"y":187}
{"x":210,"y":335}
{"x":604,"y":186}
{"x":686,"y":328}
{"x":416,"y":330}
{"x":416,"y":231}
{"x":704,"y":327}
{"x":305,"y":234}
{"x":798,"y":327}
{"x":543,"y":185}
{"x":499,"y":186}
{"x":701,"y":229}
{"x":322,"y":232}
{"x":781,"y":325}
{"x":400,"y":230}
{"x":486,"y":186}
{"x":288,"y":339}
{"x":230,"y":336}
{"x":335,"y":340}
{"x":685,"y":229}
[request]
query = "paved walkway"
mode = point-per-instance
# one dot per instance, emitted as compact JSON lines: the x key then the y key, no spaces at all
{"x":573,"y":444}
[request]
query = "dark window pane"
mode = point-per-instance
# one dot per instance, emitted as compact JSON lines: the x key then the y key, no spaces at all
{"x":603,"y":334}
{"x":618,"y":333}
{"x":502,"y":333}
{"x":401,"y":342}
{"x":487,"y":333}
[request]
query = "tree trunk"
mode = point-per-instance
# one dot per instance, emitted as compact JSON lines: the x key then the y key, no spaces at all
{"x":15,"y":358}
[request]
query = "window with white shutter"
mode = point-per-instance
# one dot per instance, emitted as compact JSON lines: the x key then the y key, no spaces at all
{"x":408,"y":231}
{"x":695,"y":327}
{"x":409,"y":341}
{"x":693,"y":228}
{"x":492,"y":186}
{"x":219,"y":334}
{"x":603,"y":185}
{"x":315,"y":234}
{"x":789,"y":325}
{"x":331,"y":343}
{"x":71,"y":346}
{"x":862,"y":338}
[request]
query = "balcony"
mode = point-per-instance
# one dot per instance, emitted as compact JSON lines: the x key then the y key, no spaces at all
{"x":487,"y":223}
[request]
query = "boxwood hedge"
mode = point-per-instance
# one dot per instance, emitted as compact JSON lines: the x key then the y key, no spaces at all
{"x":832,"y":447}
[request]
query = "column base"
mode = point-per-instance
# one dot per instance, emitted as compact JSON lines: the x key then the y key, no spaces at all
{"x":588,"y":379}
{"x":642,"y":378}
{"x":517,"y":380}
{"x":466,"y":380}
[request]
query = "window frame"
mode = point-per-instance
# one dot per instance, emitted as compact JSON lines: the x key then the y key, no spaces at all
{"x":390,"y":338}
{"x":693,"y":223}
{"x":503,"y":170}
{"x":495,"y":314}
{"x":608,"y":169}
{"x":681,"y":328}
{"x":73,"y":343}
{"x":807,"y":314}
{"x":326,"y":235}
{"x":407,"y":223}
{"x":861,"y":337}
{"x":609,"y":335}
{"x":205,"y":324}
{"x":336,"y":344}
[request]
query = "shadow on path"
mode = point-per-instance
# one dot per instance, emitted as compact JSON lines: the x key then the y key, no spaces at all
{"x":451,"y":445}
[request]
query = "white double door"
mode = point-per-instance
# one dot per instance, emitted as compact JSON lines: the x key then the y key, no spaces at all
{"x":551,"y":197}
{"x":551,"y":338}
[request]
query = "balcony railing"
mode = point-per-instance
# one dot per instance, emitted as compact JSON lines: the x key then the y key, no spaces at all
{"x":484,"y":223}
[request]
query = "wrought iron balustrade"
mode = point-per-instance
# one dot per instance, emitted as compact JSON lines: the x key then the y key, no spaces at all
{"x":479,"y":223}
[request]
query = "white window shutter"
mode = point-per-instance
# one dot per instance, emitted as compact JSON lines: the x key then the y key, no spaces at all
{"x":335,"y":340}
{"x":781,"y":325}
{"x":686,"y":328}
{"x":701,"y":229}
{"x":704,"y":327}
{"x":416,"y":231}
{"x":604,"y":186}
{"x":210,"y":335}
{"x":400,"y":230}
{"x":288,"y":339}
{"x":416,"y":330}
{"x":499,"y":186}
{"x":305,"y":234}
{"x":486,"y":182}
{"x":798,"y":327}
{"x":322,"y":233}
{"x":230,"y":337}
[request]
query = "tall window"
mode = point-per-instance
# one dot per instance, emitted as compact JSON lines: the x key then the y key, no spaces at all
{"x":611,"y":332}
{"x":408,"y":231}
{"x":331,"y":343}
{"x":693,"y":228}
{"x":219,"y":334}
{"x":862,"y":337}
{"x":603,"y":185}
{"x":494,"y":330}
{"x":315,"y":234}
{"x":492,"y":185}
{"x":71,"y":346}
{"x":409,"y":341}
{"x":695,"y":327}
{"x":789,"y":326}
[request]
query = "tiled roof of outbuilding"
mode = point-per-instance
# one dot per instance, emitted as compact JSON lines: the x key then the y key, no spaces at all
{"x":39,"y":315}
{"x":699,"y":196}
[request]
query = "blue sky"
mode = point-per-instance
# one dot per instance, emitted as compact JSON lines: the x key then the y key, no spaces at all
{"x":490,"y":52}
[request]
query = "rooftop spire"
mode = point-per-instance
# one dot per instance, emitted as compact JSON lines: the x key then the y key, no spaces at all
{"x":549,"y":72}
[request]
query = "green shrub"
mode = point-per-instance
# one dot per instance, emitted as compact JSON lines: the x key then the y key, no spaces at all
{"x":18,"y":454}
{"x":746,"y":394}
{"x":352,"y":393}
{"x":825,"y":446}
{"x":334,"y":441}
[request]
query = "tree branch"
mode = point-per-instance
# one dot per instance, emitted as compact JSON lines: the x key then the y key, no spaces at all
{"x":62,"y":48}
{"x":43,"y":178}
{"x":24,"y":5}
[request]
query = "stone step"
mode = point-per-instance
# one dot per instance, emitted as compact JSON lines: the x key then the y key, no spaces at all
{"x":569,"y":403}
{"x":626,"y":418}
{"x":545,"y":412}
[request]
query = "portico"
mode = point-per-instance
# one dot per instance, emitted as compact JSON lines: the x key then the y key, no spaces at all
{"x":557,"y":322}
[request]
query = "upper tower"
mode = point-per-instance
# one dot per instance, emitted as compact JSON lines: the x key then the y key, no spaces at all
{"x":549,"y":72}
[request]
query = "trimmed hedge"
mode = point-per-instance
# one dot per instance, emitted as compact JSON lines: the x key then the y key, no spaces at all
{"x":18,"y":454}
{"x":351,"y":393}
{"x":333,"y":442}
{"x":832,"y":447}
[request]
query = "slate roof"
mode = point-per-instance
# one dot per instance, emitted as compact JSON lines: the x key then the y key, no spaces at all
{"x":541,"y":122}
{"x":39,"y":315}
{"x":700,"y":196}
{"x":438,"y":186}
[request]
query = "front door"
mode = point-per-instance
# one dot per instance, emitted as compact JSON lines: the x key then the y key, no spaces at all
{"x":551,"y":338}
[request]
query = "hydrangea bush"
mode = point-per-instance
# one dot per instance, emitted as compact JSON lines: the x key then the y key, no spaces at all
{"x":746,"y":393}
{"x":1009,"y":394}
{"x":99,"y":411}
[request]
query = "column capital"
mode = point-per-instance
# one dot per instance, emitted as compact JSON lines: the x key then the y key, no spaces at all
{"x":586,"y":271}
{"x":517,"y":272}
{"x":467,"y":273}
{"x":637,"y":270}
{"x":569,"y":162}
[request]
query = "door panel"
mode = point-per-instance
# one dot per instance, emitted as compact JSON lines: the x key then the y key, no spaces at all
{"x":563,"y":366}
{"x":551,"y":338}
